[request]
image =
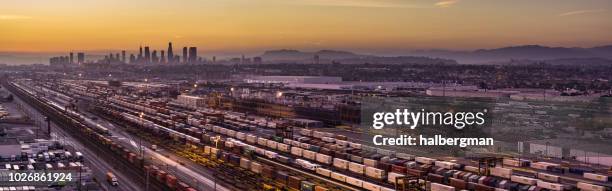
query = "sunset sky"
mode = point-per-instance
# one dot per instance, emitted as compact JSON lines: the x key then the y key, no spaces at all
{"x":255,"y":25}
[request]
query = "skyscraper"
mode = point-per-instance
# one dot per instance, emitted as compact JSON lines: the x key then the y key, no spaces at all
{"x":139,"y":58}
{"x":184,"y":54}
{"x":193,"y":55}
{"x":170,"y":53}
{"x":147,"y":55}
{"x":154,"y":58}
{"x":80,"y":58}
{"x":132,"y":59}
{"x":71,"y":58}
{"x":123,"y":56}
{"x":163,"y":57}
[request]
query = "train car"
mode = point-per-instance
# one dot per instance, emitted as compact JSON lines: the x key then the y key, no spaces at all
{"x":590,"y":187}
{"x":548,"y":177}
{"x":550,"y":186}
{"x":296,"y":151}
{"x":324,"y":172}
{"x":596,"y":177}
{"x":356,"y":168}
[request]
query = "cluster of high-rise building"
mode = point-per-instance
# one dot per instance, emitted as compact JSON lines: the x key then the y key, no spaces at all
{"x":147,"y":56}
{"x":67,"y":60}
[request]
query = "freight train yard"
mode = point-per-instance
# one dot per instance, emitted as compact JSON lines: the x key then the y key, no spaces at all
{"x":163,"y":143}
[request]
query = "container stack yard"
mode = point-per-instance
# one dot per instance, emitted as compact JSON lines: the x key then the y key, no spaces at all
{"x":258,"y":151}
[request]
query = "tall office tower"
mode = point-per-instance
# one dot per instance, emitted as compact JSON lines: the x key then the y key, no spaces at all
{"x":132,"y":59}
{"x":110,"y":57}
{"x":155,"y":58}
{"x":123,"y":56}
{"x":193,"y":55}
{"x":170,"y":53}
{"x":177,"y":59}
{"x":185,"y":54}
{"x":80,"y":58}
{"x":140,"y":54}
{"x":117,"y":57}
{"x":147,"y":55}
{"x":71,"y":58}
{"x":242,"y":59}
{"x":163,"y":57}
{"x":214,"y":59}
{"x":316,"y":59}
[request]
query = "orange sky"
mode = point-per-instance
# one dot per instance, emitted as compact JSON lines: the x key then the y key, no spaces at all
{"x":250,"y":25}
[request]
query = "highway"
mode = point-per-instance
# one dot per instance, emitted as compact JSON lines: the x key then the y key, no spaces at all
{"x":98,"y":166}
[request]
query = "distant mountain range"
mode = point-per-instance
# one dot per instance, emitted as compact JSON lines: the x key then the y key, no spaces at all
{"x":527,"y":52}
{"x":296,"y":55}
{"x":601,"y":54}
{"x":329,"y":56}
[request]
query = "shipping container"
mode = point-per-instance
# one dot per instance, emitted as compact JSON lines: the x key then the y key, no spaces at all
{"x":444,"y":164}
{"x":296,"y":151}
{"x":283,"y":147}
{"x":262,"y":141}
{"x":324,"y":172}
{"x":548,"y":177}
{"x":542,"y":165}
{"x":441,"y":187}
{"x":256,"y":167}
{"x":393,"y":178}
{"x":356,"y":168}
{"x":550,"y":186}
{"x":425,"y":160}
{"x":597,"y":177}
{"x":501,"y":172}
{"x":375,"y":173}
{"x":370,"y":162}
{"x":354,"y":181}
{"x":245,"y":163}
{"x":309,"y":155}
{"x":338,"y":177}
{"x":524,"y":180}
{"x":590,"y":187}
{"x":340,"y":163}
{"x":325,"y":159}
{"x":271,"y":144}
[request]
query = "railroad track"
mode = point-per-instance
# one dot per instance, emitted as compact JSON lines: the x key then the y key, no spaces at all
{"x":68,"y":125}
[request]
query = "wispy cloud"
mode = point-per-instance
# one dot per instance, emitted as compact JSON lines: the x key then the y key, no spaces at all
{"x":358,"y":3}
{"x":580,"y":12}
{"x":446,"y":3}
{"x":14,"y":17}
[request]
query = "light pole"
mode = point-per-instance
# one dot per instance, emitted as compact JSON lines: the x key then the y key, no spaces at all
{"x":141,"y":149}
{"x":279,"y":94}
